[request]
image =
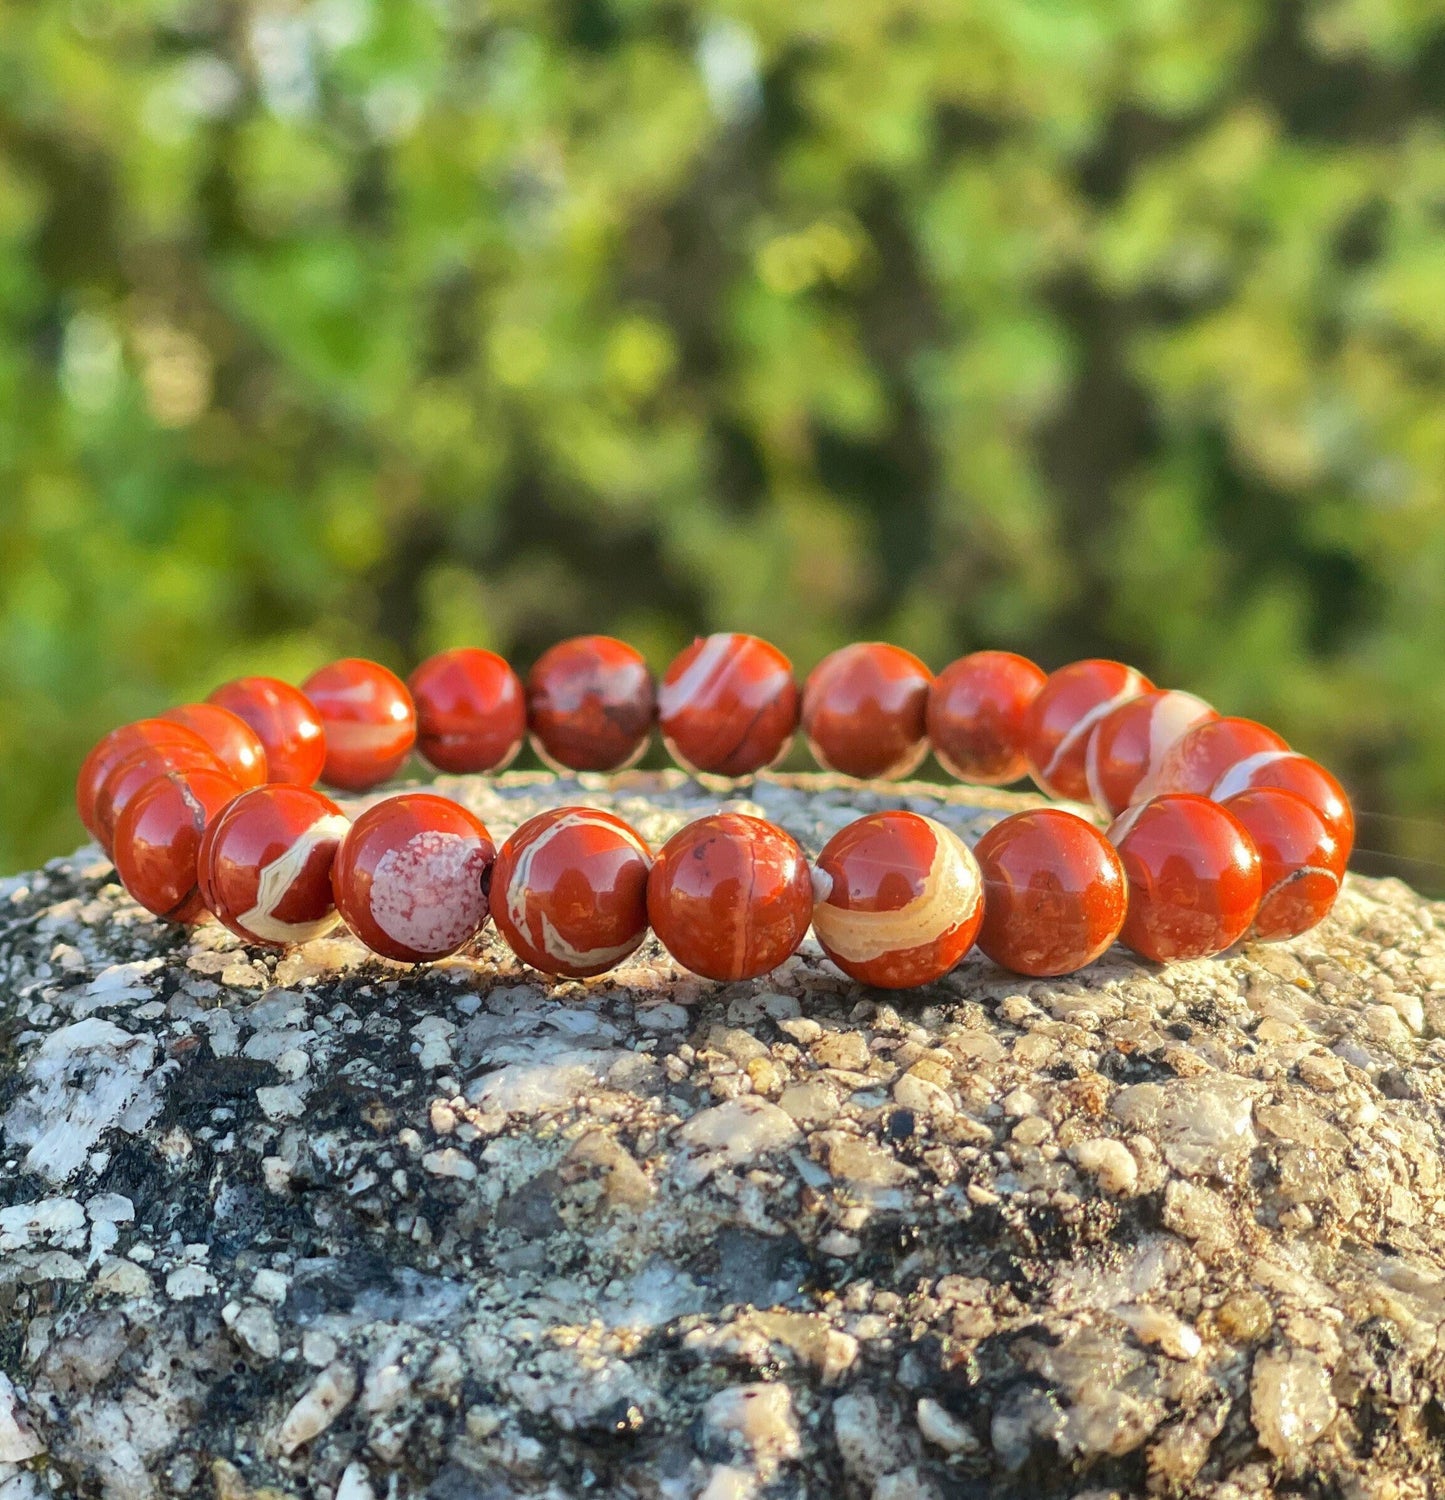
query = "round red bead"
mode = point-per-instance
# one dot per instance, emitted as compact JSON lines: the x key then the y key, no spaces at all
{"x":864,"y":710}
{"x":1194,"y":877}
{"x":232,"y":740}
{"x":158,"y":835}
{"x":1129,"y":744}
{"x":976,"y":711}
{"x":369,"y":719}
{"x":264,"y":864}
{"x":115,"y":747}
{"x":1063,"y":715}
{"x":471,"y":715}
{"x":1301,"y":862}
{"x":1197,"y":760}
{"x":1054,"y":891}
{"x":591,"y":705}
{"x":569,"y":891}
{"x":284,"y":720}
{"x":136,"y":772}
{"x":1302,"y":776}
{"x":730,"y":896}
{"x":900,"y":899}
{"x":410,"y":878}
{"x":728,"y":704}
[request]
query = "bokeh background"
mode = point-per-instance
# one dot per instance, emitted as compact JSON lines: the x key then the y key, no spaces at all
{"x":1072,"y":326}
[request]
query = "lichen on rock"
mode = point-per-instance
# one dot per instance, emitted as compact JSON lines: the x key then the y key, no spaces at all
{"x":315,"y":1224}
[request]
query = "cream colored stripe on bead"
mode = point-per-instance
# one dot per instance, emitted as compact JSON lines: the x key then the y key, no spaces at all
{"x":699,"y":672}
{"x":1092,"y":774}
{"x":1173,"y":717}
{"x":553,"y":943}
{"x":1236,"y":778}
{"x":277,"y":878}
{"x":1129,"y":690}
{"x":1118,"y":830}
{"x":352,"y":737}
{"x":1295,"y":875}
{"x":951,"y":893}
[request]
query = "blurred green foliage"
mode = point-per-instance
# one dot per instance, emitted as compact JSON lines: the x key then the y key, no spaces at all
{"x":1076,"y":326}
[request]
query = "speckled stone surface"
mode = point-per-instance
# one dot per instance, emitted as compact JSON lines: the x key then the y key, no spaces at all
{"x":315,"y":1225}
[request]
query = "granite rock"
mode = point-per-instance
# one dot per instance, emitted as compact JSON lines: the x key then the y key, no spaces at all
{"x":312,"y":1224}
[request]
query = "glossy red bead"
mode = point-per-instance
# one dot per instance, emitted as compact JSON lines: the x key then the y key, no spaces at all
{"x":158,"y":836}
{"x":410,"y":879}
{"x":232,"y":740}
{"x":1196,"y":760}
{"x":136,"y":772}
{"x":728,"y":704}
{"x":471,"y":714}
{"x":569,"y":891}
{"x":1302,"y":776}
{"x":1128,"y":745}
{"x":730,"y":896}
{"x":1063,"y":715}
{"x":1301,"y":861}
{"x":1194,"y":877}
{"x":369,"y":719}
{"x":115,"y":747}
{"x":977,"y":707}
{"x":864,"y":709}
{"x":264,"y":865}
{"x":1054,"y":892}
{"x":285,"y":722}
{"x":900,"y":899}
{"x":591,"y":705}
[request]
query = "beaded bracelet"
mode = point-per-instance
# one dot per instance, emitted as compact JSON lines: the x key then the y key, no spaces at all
{"x":1219,"y":830}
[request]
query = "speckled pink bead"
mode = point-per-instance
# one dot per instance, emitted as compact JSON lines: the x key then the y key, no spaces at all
{"x":410,"y":878}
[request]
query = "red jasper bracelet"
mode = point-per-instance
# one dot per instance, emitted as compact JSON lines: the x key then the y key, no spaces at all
{"x":1219,"y":830}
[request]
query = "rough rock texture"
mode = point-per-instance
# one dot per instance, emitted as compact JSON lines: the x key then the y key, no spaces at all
{"x":315,"y":1225}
